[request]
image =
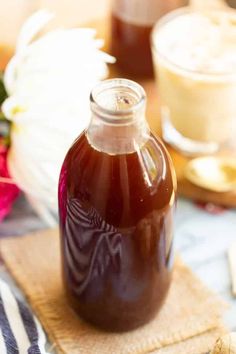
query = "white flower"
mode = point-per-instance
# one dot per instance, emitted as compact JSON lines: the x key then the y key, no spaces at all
{"x":48,"y":82}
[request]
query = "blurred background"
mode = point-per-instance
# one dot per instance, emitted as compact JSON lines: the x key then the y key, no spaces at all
{"x":68,"y":14}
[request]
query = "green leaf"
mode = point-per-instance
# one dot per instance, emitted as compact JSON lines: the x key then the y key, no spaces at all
{"x":3,"y":93}
{"x":4,"y":128}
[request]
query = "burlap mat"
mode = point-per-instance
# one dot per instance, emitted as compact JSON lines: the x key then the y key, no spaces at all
{"x":188,"y":323}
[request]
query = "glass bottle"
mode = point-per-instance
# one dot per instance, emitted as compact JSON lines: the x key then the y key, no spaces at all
{"x":131,"y":25}
{"x":116,"y":201}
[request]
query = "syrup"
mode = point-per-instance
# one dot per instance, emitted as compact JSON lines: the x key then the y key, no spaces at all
{"x":116,"y":222}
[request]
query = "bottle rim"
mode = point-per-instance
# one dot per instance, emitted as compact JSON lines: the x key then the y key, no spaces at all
{"x":127,"y":88}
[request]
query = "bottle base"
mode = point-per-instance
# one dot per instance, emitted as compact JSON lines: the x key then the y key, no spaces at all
{"x":114,"y":326}
{"x":113,"y":321}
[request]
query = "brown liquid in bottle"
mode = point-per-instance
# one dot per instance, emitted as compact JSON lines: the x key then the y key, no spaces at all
{"x":131,"y":47}
{"x":131,"y":25}
{"x":116,"y":216}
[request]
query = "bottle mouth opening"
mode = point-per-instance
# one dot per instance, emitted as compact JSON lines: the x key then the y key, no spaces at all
{"x":117,"y":100}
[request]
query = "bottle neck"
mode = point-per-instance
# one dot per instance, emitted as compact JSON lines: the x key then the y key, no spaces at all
{"x":117,"y":139}
{"x":118,"y":124}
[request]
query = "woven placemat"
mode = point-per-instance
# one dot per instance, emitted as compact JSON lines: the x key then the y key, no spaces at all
{"x":189,"y":322}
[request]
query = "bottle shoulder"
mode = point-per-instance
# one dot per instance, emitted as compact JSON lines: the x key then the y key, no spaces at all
{"x":120,"y":186}
{"x":149,"y":165}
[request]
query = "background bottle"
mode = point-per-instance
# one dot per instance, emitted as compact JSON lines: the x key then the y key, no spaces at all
{"x":132,"y":22}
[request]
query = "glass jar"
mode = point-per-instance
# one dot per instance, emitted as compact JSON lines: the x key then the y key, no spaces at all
{"x":117,"y":194}
{"x":132,"y":22}
{"x":196,"y":78}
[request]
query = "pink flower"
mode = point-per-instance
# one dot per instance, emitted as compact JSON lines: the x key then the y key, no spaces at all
{"x":8,"y":191}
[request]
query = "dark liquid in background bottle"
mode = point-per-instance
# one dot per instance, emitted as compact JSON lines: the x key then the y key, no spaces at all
{"x":132,"y":22}
{"x":116,"y":218}
{"x":231,"y":3}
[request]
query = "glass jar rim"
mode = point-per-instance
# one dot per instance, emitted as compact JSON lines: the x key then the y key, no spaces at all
{"x":231,"y":76}
{"x":112,"y":115}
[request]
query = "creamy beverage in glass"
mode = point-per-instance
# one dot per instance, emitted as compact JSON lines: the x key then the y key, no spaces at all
{"x":195,"y":61}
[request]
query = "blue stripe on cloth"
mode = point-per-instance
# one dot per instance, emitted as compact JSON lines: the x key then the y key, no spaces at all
{"x":9,"y":338}
{"x":34,"y":349}
{"x":30,"y":327}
